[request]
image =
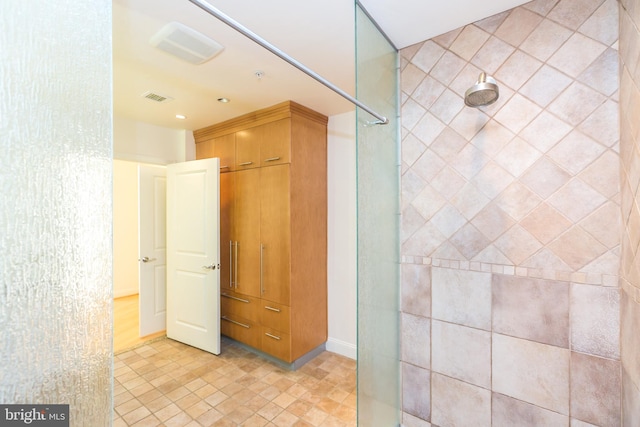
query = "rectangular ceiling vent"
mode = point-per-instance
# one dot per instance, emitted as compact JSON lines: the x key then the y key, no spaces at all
{"x":185,"y":43}
{"x":156,"y":97}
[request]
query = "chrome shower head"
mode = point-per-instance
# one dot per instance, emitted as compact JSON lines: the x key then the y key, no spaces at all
{"x":484,"y":92}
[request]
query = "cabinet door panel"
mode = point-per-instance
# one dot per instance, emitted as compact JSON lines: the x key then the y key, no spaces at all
{"x":275,"y":233}
{"x":227,"y":186}
{"x":206,"y":149}
{"x":225,"y":149}
{"x":275,"y":144}
{"x":248,"y":148}
{"x":246,"y":232}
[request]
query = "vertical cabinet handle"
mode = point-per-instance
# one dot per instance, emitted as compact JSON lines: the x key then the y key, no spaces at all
{"x":235,"y":265}
{"x":261,"y":264}
{"x":230,"y":264}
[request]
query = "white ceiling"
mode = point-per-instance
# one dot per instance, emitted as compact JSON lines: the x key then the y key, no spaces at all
{"x":319,"y":35}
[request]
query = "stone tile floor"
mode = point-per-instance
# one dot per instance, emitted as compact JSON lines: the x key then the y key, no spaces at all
{"x":167,"y":383}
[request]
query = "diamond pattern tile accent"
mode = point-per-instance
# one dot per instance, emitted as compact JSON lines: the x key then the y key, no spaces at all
{"x":467,"y":44}
{"x":572,"y":13}
{"x":545,"y":85}
{"x":428,"y":91}
{"x":575,"y":152}
{"x":493,"y":221}
{"x":576,"y":103}
{"x":492,"y":55}
{"x":427,"y":56}
{"x":517,"y":200}
{"x":565,"y":247}
{"x":518,"y":244}
{"x":545,"y":177}
{"x":518,"y":113}
{"x":545,"y":40}
{"x":517,"y":69}
{"x":518,"y":25}
{"x":545,"y":223}
{"x":517,"y":157}
{"x":530,"y":180}
{"x":576,"y":54}
{"x":576,"y":200}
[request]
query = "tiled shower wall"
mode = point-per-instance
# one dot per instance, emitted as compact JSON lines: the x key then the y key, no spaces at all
{"x":511,"y":222}
{"x":630,"y":201}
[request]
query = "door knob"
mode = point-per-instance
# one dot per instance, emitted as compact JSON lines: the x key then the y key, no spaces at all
{"x":147,"y":259}
{"x":211,"y":267}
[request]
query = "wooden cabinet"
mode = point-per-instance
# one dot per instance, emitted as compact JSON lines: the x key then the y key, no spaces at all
{"x":275,"y":233}
{"x":223,"y":147}
{"x":273,"y":228}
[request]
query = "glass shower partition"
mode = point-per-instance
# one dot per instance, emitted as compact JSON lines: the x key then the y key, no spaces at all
{"x":378,"y":206}
{"x":55,"y":213}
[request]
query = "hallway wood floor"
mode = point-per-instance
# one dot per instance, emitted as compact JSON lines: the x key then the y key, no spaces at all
{"x":126,"y":324}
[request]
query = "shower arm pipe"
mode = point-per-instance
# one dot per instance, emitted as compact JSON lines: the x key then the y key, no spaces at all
{"x":382,"y":120}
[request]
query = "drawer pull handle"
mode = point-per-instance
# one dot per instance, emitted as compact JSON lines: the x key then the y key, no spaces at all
{"x":272,"y":159}
{"x":234,"y":322}
{"x":235,"y":298}
{"x":272,"y":336}
{"x":277,"y":310}
{"x":224,"y":167}
{"x":245,"y":163}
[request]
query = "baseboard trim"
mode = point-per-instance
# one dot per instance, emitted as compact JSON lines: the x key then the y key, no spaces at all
{"x":342,"y":348}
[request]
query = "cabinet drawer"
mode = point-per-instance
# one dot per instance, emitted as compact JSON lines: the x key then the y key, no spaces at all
{"x":240,"y":329}
{"x":238,"y":305}
{"x":276,"y":344}
{"x":275,"y":316}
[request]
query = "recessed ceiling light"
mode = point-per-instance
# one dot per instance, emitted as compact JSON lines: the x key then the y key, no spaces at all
{"x":180,"y":116}
{"x":224,"y":100}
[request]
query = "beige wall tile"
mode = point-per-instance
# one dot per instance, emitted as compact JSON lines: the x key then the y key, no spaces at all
{"x":532,"y":309}
{"x":532,"y":372}
{"x":462,"y":297}
{"x":595,"y":321}
{"x":630,"y":401}
{"x":461,"y":352}
{"x":509,"y":412}
{"x":416,"y":289}
{"x":458,"y":404}
{"x":595,"y":390}
{"x":416,"y":340}
{"x":416,"y":391}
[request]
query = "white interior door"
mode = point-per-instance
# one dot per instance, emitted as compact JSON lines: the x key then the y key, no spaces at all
{"x":152,"y":244}
{"x":193,"y":253}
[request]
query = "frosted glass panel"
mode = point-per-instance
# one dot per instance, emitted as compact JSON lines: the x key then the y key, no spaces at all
{"x":378,"y":229}
{"x":55,"y":208}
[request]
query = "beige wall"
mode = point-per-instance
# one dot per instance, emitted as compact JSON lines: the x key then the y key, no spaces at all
{"x":125,"y":228}
{"x":510,"y":221}
{"x":630,"y":196}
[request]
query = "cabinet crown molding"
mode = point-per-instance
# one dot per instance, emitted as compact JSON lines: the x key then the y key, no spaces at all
{"x":283,"y":110}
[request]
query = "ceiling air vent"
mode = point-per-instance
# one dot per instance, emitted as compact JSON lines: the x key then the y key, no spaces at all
{"x":152,"y":96}
{"x":186,"y":43}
